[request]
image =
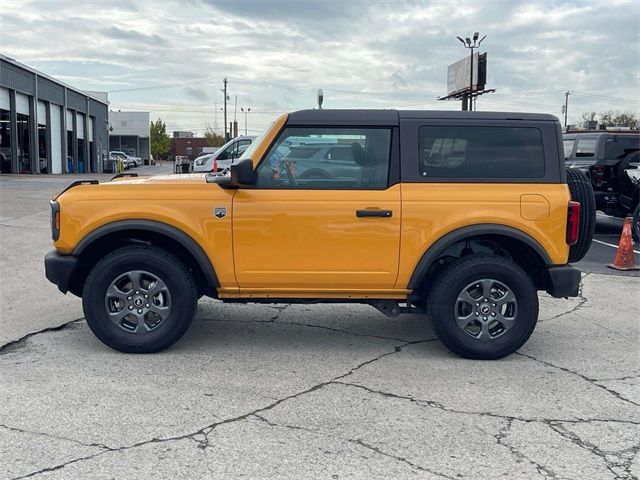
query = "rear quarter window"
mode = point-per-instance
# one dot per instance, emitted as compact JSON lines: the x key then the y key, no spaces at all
{"x":481,"y":152}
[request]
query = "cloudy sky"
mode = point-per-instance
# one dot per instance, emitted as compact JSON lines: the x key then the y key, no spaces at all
{"x":169,"y":57}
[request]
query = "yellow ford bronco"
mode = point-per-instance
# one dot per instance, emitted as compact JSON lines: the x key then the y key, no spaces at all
{"x":463,"y":216}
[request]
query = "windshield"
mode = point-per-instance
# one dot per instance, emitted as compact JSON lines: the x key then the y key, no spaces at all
{"x":255,"y":143}
{"x":568,"y":147}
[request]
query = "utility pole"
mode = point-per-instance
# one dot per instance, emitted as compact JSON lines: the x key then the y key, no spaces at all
{"x":566,"y":108}
{"x":224,"y":91}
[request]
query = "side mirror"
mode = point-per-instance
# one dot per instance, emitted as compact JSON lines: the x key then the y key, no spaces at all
{"x":242,"y":174}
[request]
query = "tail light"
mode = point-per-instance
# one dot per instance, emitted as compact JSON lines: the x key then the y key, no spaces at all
{"x":573,"y":223}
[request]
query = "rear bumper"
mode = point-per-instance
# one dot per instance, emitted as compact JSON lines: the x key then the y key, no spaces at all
{"x":562,"y":281}
{"x":59,"y":269}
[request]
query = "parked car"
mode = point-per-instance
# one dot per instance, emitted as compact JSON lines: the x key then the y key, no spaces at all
{"x":130,"y":160}
{"x":611,"y":160}
{"x":224,"y":156}
{"x":461,"y":215}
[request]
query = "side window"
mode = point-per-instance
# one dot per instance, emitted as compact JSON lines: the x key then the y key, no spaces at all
{"x":227,"y":153}
{"x":481,"y":152}
{"x":327,"y":158}
{"x":586,"y":147}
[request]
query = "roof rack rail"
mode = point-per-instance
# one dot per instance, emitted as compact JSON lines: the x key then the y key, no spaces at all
{"x":120,"y":175}
{"x":76,"y":183}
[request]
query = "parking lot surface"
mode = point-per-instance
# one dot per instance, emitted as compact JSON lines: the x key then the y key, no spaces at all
{"x":309,"y":391}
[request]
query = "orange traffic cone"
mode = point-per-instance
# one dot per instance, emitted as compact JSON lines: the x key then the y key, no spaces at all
{"x":624,"y":258}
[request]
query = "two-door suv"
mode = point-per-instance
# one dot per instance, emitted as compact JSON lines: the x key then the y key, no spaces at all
{"x":460,"y":215}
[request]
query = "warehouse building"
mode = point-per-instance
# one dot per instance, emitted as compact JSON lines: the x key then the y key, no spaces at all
{"x":47,"y":126}
{"x":130,"y":133}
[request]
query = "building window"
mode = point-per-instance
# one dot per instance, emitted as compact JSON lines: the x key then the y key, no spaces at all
{"x":5,"y":142}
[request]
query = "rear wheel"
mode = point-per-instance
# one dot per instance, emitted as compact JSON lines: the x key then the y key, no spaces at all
{"x":483,"y":307}
{"x":582,"y":192}
{"x":139,"y":299}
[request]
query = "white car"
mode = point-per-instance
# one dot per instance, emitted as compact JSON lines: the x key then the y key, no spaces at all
{"x":137,"y":161}
{"x":224,"y":156}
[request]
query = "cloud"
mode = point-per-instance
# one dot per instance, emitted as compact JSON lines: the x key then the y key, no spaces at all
{"x":171,"y":57}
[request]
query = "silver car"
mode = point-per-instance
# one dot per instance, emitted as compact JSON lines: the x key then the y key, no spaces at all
{"x":225,"y":155}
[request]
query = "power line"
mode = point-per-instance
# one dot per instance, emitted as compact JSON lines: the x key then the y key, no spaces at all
{"x":605,"y":97}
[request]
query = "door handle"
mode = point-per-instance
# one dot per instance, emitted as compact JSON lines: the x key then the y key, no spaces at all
{"x":374,"y":213}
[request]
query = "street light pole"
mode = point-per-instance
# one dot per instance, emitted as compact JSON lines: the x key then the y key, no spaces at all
{"x":471,"y":46}
{"x":245,"y":117}
{"x":566,"y":108}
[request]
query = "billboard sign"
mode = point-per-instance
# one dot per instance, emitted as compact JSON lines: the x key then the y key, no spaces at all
{"x":458,"y":74}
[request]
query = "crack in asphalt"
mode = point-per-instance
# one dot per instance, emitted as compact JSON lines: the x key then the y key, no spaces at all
{"x":201,"y":436}
{"x":356,"y":441}
{"x":7,"y":347}
{"x":582,"y":300}
{"x":613,"y":459}
{"x":57,"y":437}
{"x":274,"y":320}
{"x":592,"y":381}
{"x":440,"y":406}
{"x":500,"y":437}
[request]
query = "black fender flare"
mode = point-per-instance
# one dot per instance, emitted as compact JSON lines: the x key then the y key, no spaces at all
{"x":440,"y":245}
{"x":169,"y":231}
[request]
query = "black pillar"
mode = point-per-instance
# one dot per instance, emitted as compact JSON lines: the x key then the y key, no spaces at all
{"x":13,"y":122}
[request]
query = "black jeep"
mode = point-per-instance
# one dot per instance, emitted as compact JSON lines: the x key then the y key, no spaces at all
{"x":612,"y":161}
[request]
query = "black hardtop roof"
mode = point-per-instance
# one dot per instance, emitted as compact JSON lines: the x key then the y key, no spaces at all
{"x":363,"y":117}
{"x":599,"y":133}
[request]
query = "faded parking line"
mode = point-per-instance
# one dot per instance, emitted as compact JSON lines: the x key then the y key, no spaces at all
{"x":611,"y":245}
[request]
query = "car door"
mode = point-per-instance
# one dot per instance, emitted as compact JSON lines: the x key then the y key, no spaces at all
{"x":297,"y":234}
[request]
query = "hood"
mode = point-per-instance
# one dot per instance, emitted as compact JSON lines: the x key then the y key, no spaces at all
{"x":172,"y":179}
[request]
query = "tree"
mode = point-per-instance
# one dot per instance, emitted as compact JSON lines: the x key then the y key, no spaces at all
{"x":214,"y":139}
{"x":160,"y":141}
{"x":618,"y":119}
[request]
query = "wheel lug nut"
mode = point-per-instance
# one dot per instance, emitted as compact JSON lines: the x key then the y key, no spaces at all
{"x":146,"y":296}
{"x":493,"y":304}
{"x":129,"y":298}
{"x":484,"y":318}
{"x":139,"y":310}
{"x":493,"y":314}
{"x":147,"y":305}
{"x":130,"y":307}
{"x":137,"y":292}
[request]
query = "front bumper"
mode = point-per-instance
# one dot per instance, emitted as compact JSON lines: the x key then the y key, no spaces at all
{"x":562,"y":281}
{"x":59,"y":269}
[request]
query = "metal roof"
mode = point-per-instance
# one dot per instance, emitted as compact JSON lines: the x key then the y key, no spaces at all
{"x":48,"y":77}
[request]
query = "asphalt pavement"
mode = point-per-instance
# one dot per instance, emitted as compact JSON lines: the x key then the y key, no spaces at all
{"x":309,"y":391}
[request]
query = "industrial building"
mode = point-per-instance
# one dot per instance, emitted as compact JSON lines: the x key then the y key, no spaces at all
{"x":47,"y":126}
{"x":129,"y":132}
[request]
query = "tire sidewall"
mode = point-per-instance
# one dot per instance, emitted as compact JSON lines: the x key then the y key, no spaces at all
{"x":180,"y":289}
{"x":463,"y":343}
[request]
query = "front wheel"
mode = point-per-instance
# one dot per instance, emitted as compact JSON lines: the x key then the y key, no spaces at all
{"x":483,"y":307}
{"x":139,"y":299}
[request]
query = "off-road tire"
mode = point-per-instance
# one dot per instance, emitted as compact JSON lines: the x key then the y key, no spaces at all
{"x":159,"y":263}
{"x":443,"y":299}
{"x":582,"y":192}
